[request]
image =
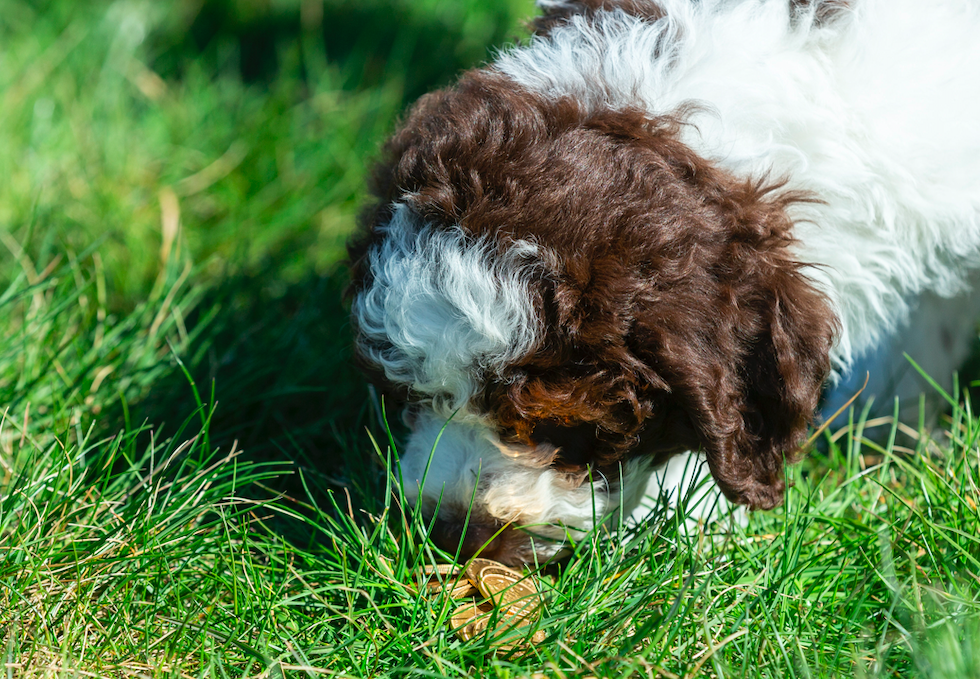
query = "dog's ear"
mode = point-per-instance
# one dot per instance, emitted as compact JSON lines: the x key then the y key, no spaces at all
{"x":746,"y":352}
{"x":762,"y":421}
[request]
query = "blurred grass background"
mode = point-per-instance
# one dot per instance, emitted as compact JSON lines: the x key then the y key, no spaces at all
{"x":188,"y":487}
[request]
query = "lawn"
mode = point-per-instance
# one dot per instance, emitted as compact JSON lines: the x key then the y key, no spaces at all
{"x":192,"y":474}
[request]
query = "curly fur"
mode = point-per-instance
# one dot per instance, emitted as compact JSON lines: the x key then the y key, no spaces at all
{"x":657,"y":228}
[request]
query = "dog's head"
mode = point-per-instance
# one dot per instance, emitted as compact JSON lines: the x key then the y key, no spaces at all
{"x":580,"y":296}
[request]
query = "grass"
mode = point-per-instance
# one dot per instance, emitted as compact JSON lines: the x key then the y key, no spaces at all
{"x":190,"y":479}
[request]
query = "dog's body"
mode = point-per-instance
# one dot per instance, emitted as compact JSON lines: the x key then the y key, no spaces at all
{"x":659,"y":227}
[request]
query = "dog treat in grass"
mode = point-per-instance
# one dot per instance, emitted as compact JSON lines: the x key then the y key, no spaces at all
{"x":504,"y":586}
{"x":437,"y":578}
{"x":471,"y":620}
{"x":511,"y":602}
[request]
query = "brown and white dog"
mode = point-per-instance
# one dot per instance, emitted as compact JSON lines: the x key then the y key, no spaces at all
{"x":659,"y":227}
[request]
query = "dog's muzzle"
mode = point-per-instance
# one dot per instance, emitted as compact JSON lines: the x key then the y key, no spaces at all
{"x":483,"y":536}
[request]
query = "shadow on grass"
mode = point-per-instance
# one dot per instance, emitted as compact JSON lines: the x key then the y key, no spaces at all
{"x":285,"y":389}
{"x":276,"y":347}
{"x":275,"y":341}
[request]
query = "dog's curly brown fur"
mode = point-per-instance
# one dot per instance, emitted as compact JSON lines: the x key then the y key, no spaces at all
{"x":676,"y":316}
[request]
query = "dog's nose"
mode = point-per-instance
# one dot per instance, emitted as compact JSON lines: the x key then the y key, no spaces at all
{"x":481,"y":537}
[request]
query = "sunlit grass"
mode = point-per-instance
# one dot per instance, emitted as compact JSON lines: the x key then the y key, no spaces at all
{"x":131,"y":554}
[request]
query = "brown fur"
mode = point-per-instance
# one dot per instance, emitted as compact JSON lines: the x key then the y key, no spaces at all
{"x":650,"y":10}
{"x":676,"y":315}
{"x":824,"y":11}
{"x":555,"y":16}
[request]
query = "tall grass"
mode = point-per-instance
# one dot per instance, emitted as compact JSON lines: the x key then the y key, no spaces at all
{"x":192,"y":475}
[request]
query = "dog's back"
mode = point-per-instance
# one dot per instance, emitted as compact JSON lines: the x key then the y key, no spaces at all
{"x":871,"y":106}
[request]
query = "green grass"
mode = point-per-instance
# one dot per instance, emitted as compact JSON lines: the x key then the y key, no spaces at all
{"x":190,"y":484}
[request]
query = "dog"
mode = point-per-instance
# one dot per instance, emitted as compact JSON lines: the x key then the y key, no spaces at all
{"x":660,"y":226}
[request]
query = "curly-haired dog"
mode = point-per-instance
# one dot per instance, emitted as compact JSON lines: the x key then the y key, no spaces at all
{"x":659,"y":227}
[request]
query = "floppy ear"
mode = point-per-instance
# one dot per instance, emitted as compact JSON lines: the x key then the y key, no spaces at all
{"x":783,"y":369}
{"x":746,"y":362}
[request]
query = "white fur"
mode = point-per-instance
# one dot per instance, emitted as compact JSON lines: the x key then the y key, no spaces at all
{"x":456,"y":465}
{"x":875,"y":113}
{"x":442,"y":311}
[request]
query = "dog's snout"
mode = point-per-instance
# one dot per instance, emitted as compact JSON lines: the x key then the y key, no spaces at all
{"x":487,"y":538}
{"x":480,"y":537}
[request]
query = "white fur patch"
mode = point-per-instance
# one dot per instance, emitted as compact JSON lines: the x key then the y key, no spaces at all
{"x":443,"y":309}
{"x":875,"y":113}
{"x":457,"y":465}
